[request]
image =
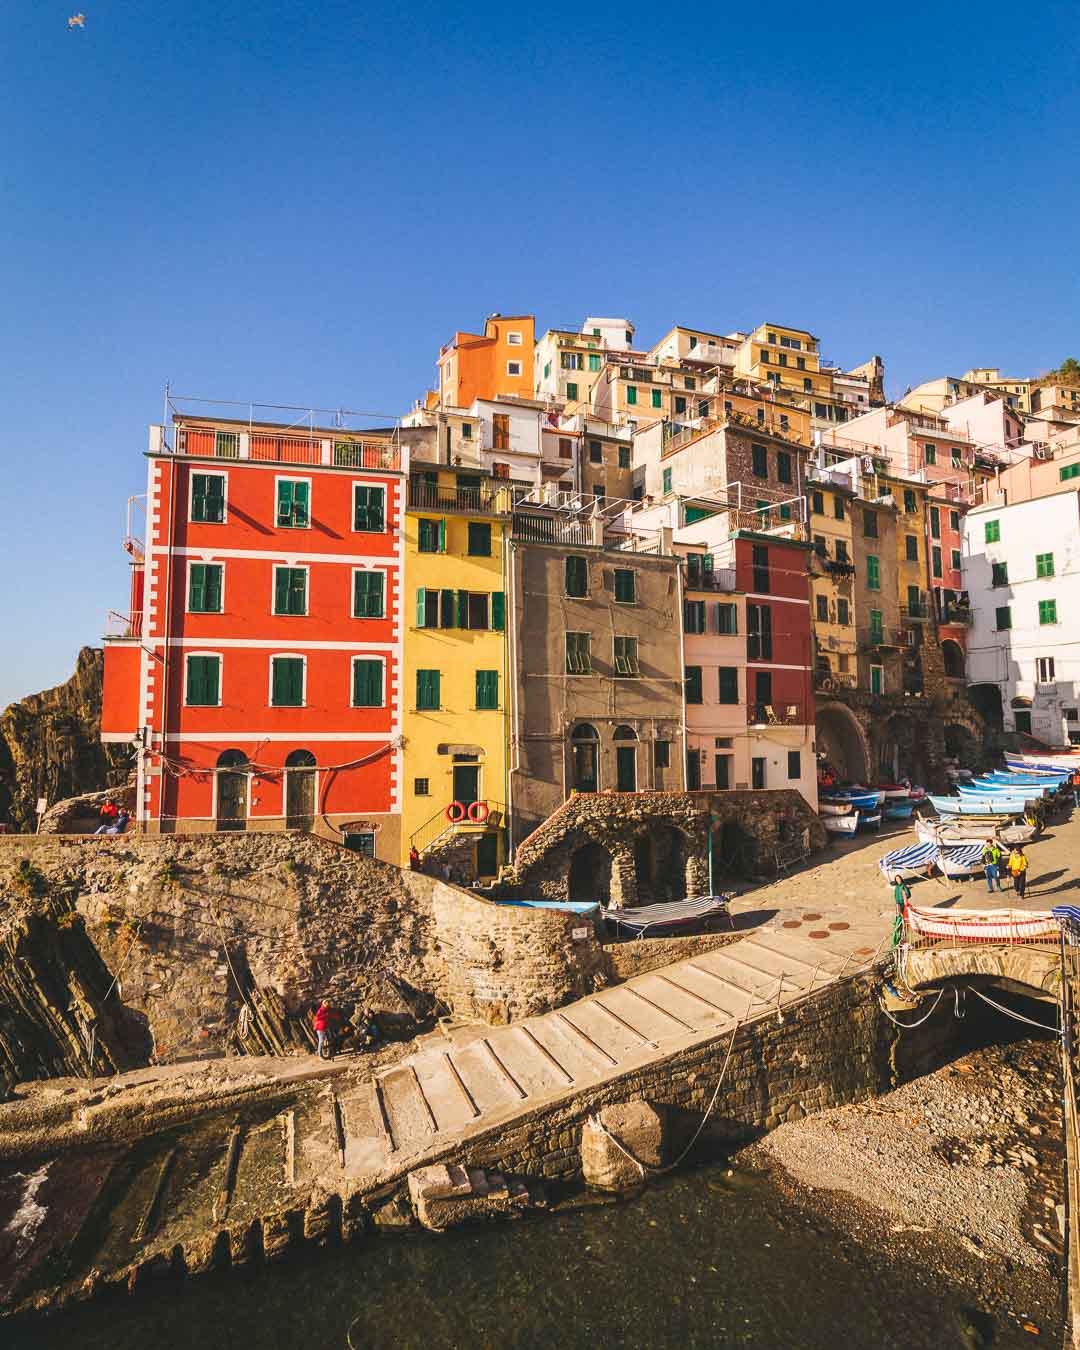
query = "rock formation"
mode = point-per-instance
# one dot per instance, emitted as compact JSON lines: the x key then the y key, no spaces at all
{"x":50,"y":746}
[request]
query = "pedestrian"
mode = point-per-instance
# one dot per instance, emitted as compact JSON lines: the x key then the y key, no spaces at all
{"x":991,"y":860}
{"x":446,"y":873}
{"x":323,"y":1022}
{"x":118,"y":826}
{"x":107,"y":816}
{"x":1018,"y":869}
{"x":901,"y":893}
{"x":414,"y":859}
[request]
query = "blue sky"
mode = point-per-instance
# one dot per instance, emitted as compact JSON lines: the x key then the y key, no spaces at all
{"x":299,"y":203}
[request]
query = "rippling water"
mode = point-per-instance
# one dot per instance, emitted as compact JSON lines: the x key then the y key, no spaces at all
{"x":698,"y":1260}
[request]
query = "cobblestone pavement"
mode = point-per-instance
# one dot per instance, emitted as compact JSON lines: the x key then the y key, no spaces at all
{"x":846,"y":873}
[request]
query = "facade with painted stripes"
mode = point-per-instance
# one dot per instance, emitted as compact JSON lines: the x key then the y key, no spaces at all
{"x":259,"y":669}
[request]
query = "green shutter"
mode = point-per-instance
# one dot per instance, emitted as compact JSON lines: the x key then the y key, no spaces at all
{"x":1048,"y":611}
{"x":873,"y":573}
{"x":1044,"y":564}
{"x":301,"y":502}
{"x":729,"y":684}
{"x":462,"y":609}
{"x":427,"y":690}
{"x":208,"y":497}
{"x":487,"y":689}
{"x":876,"y":631}
{"x":693,"y":684}
{"x":281,"y":590}
{"x":421,"y":607}
{"x":498,"y":610}
{"x":203,"y":680}
{"x":368,"y":595}
{"x":204,"y":589}
{"x":287,"y":683}
{"x":367,"y":684}
{"x":446,"y":609}
{"x":993,"y":532}
{"x":197,"y":588}
{"x":1003,"y":617}
{"x":369,"y":513}
{"x":657,"y":400}
{"x":442,"y":536}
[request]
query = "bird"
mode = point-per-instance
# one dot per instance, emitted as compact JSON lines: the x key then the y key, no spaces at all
{"x":77,"y":21}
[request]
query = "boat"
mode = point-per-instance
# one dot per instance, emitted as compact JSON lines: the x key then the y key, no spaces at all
{"x":898,"y":810}
{"x":970,"y":830}
{"x":871,"y":819}
{"x":669,"y":918}
{"x":912,"y":860}
{"x":1047,"y":780}
{"x":842,"y":824}
{"x":864,"y":799}
{"x":1069,"y":761}
{"x":893,"y":791}
{"x":983,"y":788}
{"x":916,"y":793}
{"x":960,"y":860}
{"x":978,"y":806}
{"x":828,"y":808}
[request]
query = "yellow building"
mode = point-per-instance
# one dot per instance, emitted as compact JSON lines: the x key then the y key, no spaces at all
{"x":831,"y":499}
{"x":911,"y":548}
{"x":454,"y":698}
{"x":790,"y":360}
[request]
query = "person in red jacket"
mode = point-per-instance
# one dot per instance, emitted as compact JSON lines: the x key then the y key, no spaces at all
{"x":325,"y":1022}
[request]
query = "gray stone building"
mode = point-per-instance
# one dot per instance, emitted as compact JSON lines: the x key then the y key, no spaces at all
{"x":596,"y":662}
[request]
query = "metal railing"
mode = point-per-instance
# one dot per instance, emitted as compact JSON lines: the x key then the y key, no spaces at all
{"x":955,"y":614}
{"x":553,"y":529}
{"x":438,"y":826}
{"x":286,"y":448}
{"x":828,"y":680}
{"x":711,"y":579}
{"x":431,"y":497}
{"x":915,"y":613}
{"x":119,"y":625}
{"x":774,"y":715}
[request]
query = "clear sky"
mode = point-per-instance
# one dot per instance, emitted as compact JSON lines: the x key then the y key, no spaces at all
{"x":298,"y":203}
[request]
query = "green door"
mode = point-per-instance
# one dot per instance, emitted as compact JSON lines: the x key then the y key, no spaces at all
{"x":626,"y":764}
{"x":466,"y":783}
{"x":487,"y":855}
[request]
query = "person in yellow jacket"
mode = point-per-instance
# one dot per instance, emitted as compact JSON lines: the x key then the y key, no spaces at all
{"x":1017,"y":865}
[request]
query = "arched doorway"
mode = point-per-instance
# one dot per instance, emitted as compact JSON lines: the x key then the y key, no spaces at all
{"x":900,"y":746}
{"x":625,"y":758}
{"x":986,"y":699}
{"x":1021,"y":711}
{"x":231,"y":790}
{"x":585,"y":757}
{"x":590,"y":874}
{"x":841,"y":743}
{"x":670,"y":851}
{"x":299,"y":790}
{"x":952,"y":656}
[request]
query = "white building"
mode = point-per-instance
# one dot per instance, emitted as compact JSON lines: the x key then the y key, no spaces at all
{"x":1021,"y":568}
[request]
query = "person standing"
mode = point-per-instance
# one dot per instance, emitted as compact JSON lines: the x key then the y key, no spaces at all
{"x":991,"y":860}
{"x":414,"y":859}
{"x":323,"y":1023}
{"x":1018,"y":870}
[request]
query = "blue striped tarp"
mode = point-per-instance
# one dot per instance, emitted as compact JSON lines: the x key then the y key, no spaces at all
{"x":912,"y":859}
{"x":672,"y":915}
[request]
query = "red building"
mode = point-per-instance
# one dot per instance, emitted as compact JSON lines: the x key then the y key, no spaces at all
{"x":258,"y":671}
{"x":944,"y":518}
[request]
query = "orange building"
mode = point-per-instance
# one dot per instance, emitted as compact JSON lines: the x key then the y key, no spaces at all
{"x":488,"y":365}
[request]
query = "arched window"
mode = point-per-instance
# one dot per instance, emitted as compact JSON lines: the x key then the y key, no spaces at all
{"x":299,"y":790}
{"x":300,"y":759}
{"x":584,"y":732}
{"x":231,"y":790}
{"x":232,"y":759}
{"x":625,"y":733}
{"x":585,"y":756}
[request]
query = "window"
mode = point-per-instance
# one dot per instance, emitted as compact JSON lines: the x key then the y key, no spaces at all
{"x":935,"y":560}
{"x":430,"y":536}
{"x":631,"y":393}
{"x":817,"y":503}
{"x":1044,"y":564}
{"x":992,"y":531}
{"x":625,"y":586}
{"x":1022,"y":721}
{"x":794,"y":764}
{"x":757,"y":773}
{"x":957,"y":459}
{"x":479,"y":539}
{"x":427,"y":609}
{"x":472,"y":609}
{"x":203,"y":682}
{"x":290,"y":590}
{"x":693,"y":684}
{"x":873,"y":573}
{"x":759,"y":632}
{"x":800,"y":362}
{"x":838,"y":509}
{"x":869,"y":525}
{"x":877,"y":679}
{"x":566,"y":450}
{"x":841,"y":551}
{"x":693,"y":770}
{"x":500,"y":431}
{"x":293,"y":499}
{"x":954,"y":559}
{"x":877,"y":633}
{"x":596,"y":452}
{"x":599,"y":490}
{"x":999,"y":574}
{"x":727,"y":618}
{"x":1003,"y":618}
{"x":577,"y":576}
{"x":954,"y":521}
{"x":513,"y":339}
{"x":783,"y":466}
{"x":930,"y":453}
{"x":909,"y":502}
{"x":760,"y":560}
{"x":369,"y":509}
{"x":368,"y":589}
{"x":466,"y":431}
{"x":204,"y":588}
{"x":759,"y":461}
{"x":208,"y":497}
{"x":1044,"y":669}
{"x":842,"y":611}
{"x":367,"y":682}
{"x":911,"y":547}
{"x":722,"y":767}
{"x":822,"y":602}
{"x":657,"y":398}
{"x":624,"y":456}
{"x":571,"y":361}
{"x":666,"y":480}
{"x":626,"y":656}
{"x":765,"y":358}
{"x":1048,"y":611}
{"x":286,"y":681}
{"x":571,"y":394}
{"x":594,"y":361}
{"x":694,"y":615}
{"x":808,"y":385}
{"x":728,"y":684}
{"x":578,"y":655}
{"x":1068,"y":471}
{"x":487,"y":689}
{"x":661,"y":754}
{"x":783,"y":359}
{"x":422,"y":787}
{"x":428,"y":690}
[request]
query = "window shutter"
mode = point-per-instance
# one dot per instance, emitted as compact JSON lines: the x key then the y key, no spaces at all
{"x":284,"y":503}
{"x":212,"y":588}
{"x":367,"y":684}
{"x":462,"y":609}
{"x":281,"y":591}
{"x":498,"y":610}
{"x":447,"y":609}
{"x":442,"y":536}
{"x":421,"y":607}
{"x":212,"y":670}
{"x":300,"y":503}
{"x":197,"y":594}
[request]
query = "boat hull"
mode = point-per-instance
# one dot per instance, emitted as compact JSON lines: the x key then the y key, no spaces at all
{"x":978,"y":806}
{"x":899,"y":810}
{"x":842,"y":824}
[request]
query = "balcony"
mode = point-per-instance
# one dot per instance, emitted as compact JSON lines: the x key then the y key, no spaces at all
{"x":957,"y":614}
{"x":839,"y":567}
{"x":775,"y":715}
{"x":887,"y":639}
{"x":919,"y":613}
{"x":473,"y":501}
{"x":827,"y":680}
{"x":120,"y":626}
{"x":270,"y":447}
{"x":556,"y":529}
{"x":709,"y":578}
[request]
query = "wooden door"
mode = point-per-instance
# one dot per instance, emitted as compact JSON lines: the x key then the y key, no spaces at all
{"x":299,"y":799}
{"x":232,"y":800}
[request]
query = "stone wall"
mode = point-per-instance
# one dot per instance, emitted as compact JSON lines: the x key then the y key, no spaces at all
{"x":626,"y":849}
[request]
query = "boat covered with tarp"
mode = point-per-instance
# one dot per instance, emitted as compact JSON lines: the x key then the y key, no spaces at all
{"x":670,"y":917}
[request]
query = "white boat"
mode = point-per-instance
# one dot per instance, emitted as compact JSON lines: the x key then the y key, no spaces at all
{"x":960,"y":860}
{"x":1069,"y":762}
{"x":834,"y":808}
{"x":963,"y":831}
{"x":842,"y":824}
{"x":871,"y":819}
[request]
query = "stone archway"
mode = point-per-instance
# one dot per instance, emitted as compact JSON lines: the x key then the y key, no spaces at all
{"x":900,"y":749}
{"x":986,"y":700}
{"x":590,"y":874}
{"x":952,"y":656}
{"x":842,"y":742}
{"x":962,"y":746}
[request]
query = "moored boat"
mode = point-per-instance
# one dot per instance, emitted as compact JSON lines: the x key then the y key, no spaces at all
{"x":960,"y":860}
{"x":870,"y":819}
{"x":978,"y":806}
{"x":830,"y":808}
{"x":898,"y":810}
{"x":842,"y":824}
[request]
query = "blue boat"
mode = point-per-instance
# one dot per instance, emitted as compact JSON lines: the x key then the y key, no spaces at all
{"x":1051,"y":780}
{"x":898,"y":810}
{"x":999,"y":789}
{"x":860,"y":798}
{"x":998,"y":805}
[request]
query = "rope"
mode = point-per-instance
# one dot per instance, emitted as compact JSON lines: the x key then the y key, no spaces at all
{"x":1019,"y":1017}
{"x":644,"y":1168}
{"x":908,"y":1026}
{"x":120,"y":967}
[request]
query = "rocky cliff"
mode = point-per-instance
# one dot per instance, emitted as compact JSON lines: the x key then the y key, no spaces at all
{"x":50,"y":746}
